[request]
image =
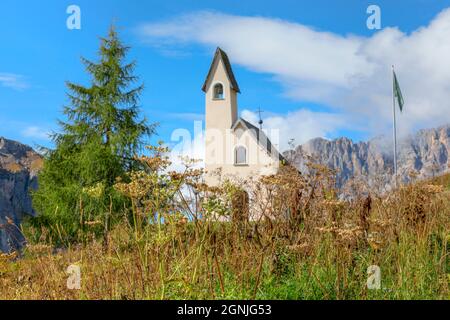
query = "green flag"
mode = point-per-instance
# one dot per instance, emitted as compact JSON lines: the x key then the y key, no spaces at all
{"x":398,"y":92}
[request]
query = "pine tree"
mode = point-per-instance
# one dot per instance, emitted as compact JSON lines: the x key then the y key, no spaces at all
{"x":99,"y":139}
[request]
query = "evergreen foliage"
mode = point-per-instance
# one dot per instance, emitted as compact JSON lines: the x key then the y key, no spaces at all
{"x":99,"y":139}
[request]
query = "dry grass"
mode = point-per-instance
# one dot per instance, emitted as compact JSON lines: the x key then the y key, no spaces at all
{"x":304,"y":244}
{"x":13,"y":167}
{"x":37,"y":163}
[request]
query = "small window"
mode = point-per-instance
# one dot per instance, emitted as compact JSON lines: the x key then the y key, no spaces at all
{"x":218,"y":91}
{"x":240,"y":156}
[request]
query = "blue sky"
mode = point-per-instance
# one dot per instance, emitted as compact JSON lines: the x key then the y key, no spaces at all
{"x":173,"y":43}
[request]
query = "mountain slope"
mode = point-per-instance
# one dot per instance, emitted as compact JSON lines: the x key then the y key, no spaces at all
{"x":426,"y":153}
{"x":19,"y":165}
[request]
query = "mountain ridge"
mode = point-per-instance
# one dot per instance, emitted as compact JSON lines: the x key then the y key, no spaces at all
{"x":423,"y":154}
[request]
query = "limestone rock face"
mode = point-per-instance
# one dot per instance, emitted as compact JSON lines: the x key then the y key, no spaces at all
{"x":426,"y":153}
{"x":19,"y":165}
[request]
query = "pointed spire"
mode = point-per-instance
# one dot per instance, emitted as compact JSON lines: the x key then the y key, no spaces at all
{"x":221,"y":55}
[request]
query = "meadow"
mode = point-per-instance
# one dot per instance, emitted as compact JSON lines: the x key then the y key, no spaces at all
{"x":185,"y":240}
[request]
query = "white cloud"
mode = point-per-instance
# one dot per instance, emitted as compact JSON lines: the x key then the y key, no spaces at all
{"x":13,"y":81}
{"x":350,"y":74}
{"x":301,"y":125}
{"x":184,"y":145}
{"x":36,"y":133}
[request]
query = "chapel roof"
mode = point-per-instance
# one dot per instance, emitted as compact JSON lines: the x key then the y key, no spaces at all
{"x":220,"y":54}
{"x":260,"y":137}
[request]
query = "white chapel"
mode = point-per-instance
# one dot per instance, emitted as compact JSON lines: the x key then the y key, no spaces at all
{"x":234,"y":148}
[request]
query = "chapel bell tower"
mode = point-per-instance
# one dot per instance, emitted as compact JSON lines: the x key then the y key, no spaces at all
{"x":221,"y":91}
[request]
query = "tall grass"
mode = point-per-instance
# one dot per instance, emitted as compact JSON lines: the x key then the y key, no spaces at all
{"x":295,"y":240}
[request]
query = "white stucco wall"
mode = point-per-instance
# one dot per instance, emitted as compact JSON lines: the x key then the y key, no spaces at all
{"x":221,"y":140}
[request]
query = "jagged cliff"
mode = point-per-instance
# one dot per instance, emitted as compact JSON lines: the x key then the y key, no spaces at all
{"x":426,"y":153}
{"x":19,"y":165}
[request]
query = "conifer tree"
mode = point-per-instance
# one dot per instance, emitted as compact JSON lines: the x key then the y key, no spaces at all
{"x":99,"y":138}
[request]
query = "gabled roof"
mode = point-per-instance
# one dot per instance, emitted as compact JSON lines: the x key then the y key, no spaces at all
{"x":221,"y":55}
{"x":260,"y":137}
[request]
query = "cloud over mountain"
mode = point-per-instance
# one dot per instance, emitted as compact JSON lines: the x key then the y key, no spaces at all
{"x":349,"y":74}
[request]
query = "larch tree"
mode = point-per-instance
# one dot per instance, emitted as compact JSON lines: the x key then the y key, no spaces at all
{"x":102,"y":133}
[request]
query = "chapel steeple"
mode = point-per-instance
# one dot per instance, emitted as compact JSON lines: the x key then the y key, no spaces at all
{"x":221,"y":89}
{"x":222,"y":56}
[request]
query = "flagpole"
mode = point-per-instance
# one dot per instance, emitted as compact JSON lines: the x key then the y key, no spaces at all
{"x":394,"y":129}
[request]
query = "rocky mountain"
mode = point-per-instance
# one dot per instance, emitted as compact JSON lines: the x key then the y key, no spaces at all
{"x":19,"y":165}
{"x":424,"y":154}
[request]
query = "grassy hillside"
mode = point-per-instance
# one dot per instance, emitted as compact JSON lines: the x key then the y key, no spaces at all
{"x":321,"y":251}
